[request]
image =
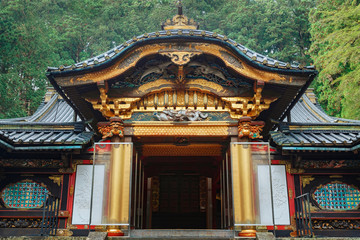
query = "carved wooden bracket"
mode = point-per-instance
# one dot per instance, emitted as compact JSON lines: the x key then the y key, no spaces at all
{"x":112,"y":107}
{"x":250,"y":129}
{"x":113,"y":128}
{"x":180,"y":58}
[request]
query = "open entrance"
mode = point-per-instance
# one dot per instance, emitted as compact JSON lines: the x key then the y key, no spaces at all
{"x":181,"y":192}
{"x":178,"y":200}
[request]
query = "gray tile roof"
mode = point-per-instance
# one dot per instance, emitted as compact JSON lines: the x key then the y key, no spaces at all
{"x":51,"y":127}
{"x":183,"y":33}
{"x":308,"y":110}
{"x":316,"y":137}
{"x":311,"y":129}
{"x":56,"y":110}
{"x":27,"y":136}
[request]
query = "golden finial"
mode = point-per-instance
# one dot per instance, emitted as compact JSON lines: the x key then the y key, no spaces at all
{"x":179,"y":6}
{"x":179,"y":21}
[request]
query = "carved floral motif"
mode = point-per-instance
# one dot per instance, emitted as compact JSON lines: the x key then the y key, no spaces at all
{"x":336,"y":224}
{"x":20,"y":223}
{"x":33,"y":163}
{"x":328,"y":164}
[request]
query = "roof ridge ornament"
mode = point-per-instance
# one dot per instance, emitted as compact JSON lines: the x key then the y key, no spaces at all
{"x":179,"y":21}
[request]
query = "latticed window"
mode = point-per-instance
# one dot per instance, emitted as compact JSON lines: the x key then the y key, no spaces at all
{"x":25,"y":194}
{"x":337,"y":196}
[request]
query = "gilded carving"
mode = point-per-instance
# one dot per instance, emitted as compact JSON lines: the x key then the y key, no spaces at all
{"x":57,"y":179}
{"x":203,"y":193}
{"x":180,"y":115}
{"x":168,"y":99}
{"x":205,"y":69}
{"x":191,"y":49}
{"x":179,"y":57}
{"x":155,"y":84}
{"x":336,"y":224}
{"x":207,"y":84}
{"x":34,"y":163}
{"x":155,"y":189}
{"x":129,"y":60}
{"x":250,"y":129}
{"x":232,"y":60}
{"x":181,"y":75}
{"x":64,"y":232}
{"x":20,"y":222}
{"x":306,"y":179}
{"x":179,"y":21}
{"x":112,"y":128}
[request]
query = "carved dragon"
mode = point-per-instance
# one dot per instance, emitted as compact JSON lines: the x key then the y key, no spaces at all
{"x":180,"y":115}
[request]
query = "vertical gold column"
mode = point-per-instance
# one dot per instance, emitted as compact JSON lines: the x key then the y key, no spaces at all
{"x":119,"y":183}
{"x":242,"y":183}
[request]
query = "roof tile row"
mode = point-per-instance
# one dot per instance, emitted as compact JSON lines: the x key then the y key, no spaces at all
{"x":251,"y":55}
{"x":46,"y":137}
{"x":316,"y":138}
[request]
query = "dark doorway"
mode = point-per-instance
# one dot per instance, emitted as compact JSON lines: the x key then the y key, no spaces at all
{"x":177,"y":192}
{"x":179,"y":203}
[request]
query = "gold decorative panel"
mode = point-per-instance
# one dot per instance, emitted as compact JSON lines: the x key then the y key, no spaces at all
{"x":192,"y":129}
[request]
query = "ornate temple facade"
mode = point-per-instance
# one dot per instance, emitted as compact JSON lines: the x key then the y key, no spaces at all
{"x":180,"y":129}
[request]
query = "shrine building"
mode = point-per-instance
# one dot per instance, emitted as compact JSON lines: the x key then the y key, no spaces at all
{"x":180,"y":133}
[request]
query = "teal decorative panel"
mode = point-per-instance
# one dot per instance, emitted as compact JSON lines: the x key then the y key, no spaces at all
{"x":337,"y":196}
{"x":25,"y":194}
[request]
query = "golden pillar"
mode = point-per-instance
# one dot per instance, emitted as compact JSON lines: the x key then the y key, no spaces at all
{"x":243,"y":178}
{"x":118,"y":207}
{"x":243,"y":184}
{"x":119,"y":183}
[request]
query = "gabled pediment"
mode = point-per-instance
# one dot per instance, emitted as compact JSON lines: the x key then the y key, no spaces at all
{"x":181,"y":61}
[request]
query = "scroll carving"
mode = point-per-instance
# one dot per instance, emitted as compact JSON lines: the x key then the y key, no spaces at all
{"x":180,"y":115}
{"x":180,"y":57}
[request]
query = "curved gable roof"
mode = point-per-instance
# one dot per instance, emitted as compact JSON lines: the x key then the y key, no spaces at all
{"x":253,"y":58}
{"x":287,"y":80}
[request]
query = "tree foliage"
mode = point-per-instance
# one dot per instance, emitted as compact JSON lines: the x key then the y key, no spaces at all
{"x":335,"y":30}
{"x":37,"y":34}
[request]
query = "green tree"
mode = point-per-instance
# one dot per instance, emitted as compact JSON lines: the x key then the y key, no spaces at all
{"x":24,"y":55}
{"x":335,"y":30}
{"x":37,"y":34}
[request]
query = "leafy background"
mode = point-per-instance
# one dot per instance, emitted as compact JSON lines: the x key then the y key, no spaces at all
{"x":42,"y":33}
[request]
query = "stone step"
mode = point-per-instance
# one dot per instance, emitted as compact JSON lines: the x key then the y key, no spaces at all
{"x":181,"y":234}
